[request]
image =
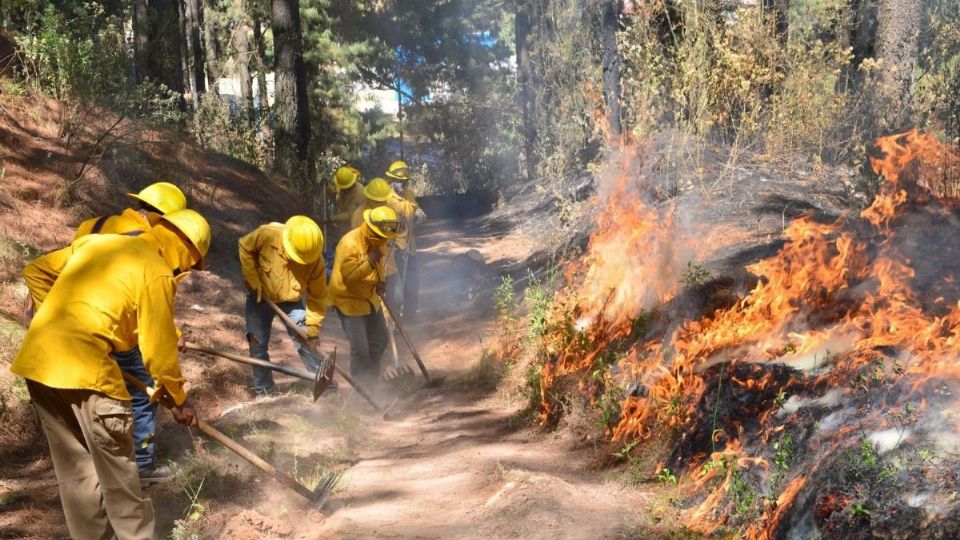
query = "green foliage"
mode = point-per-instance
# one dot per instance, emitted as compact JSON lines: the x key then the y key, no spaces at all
{"x":537,"y":300}
{"x":695,"y":274}
{"x":503,"y":299}
{"x":665,"y":477}
{"x":744,"y":497}
{"x":214,"y":127}
{"x":782,"y":457}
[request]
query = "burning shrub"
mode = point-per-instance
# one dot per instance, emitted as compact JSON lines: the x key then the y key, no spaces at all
{"x":800,"y":407}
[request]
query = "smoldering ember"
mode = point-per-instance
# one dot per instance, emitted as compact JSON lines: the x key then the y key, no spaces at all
{"x":444,"y":269}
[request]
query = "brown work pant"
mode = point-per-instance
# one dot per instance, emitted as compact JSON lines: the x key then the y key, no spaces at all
{"x":91,"y":446}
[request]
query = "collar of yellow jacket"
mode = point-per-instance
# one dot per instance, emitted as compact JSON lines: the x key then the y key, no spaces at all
{"x":180,"y":256}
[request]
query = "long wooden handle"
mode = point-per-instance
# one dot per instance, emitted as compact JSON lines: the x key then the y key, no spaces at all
{"x":250,"y":361}
{"x":303,"y":336}
{"x":232,"y":445}
{"x":403,"y":333}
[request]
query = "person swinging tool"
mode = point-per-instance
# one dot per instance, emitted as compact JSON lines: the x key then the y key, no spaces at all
{"x":356,"y":284}
{"x":94,"y":298}
{"x":403,"y":286}
{"x":283,"y":263}
{"x":154,"y":201}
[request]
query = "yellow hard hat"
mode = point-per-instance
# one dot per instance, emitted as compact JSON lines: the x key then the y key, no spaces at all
{"x":378,"y":190}
{"x":163,"y":196}
{"x":398,"y":171}
{"x":346,"y":176}
{"x":382,"y":220}
{"x":302,"y":239}
{"x":192,"y":225}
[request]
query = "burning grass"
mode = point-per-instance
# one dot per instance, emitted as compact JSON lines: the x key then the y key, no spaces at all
{"x":799,"y":406}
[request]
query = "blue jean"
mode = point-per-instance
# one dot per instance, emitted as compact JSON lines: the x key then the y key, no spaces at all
{"x":144,"y":412}
{"x":368,"y":338}
{"x":259,"y":321}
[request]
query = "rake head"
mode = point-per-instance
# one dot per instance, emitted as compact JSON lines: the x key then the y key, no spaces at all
{"x":323,"y":490}
{"x":392,"y":374}
{"x":324,"y":376}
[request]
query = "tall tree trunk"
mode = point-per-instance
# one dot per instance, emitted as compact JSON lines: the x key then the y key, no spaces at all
{"x":779,"y":10}
{"x":292,"y":133}
{"x":141,"y":38}
{"x":898,"y":32}
{"x":611,"y":62}
{"x":211,"y":40}
{"x":260,"y":61}
{"x":525,"y":91}
{"x":241,"y":41}
{"x":194,"y":48}
{"x":158,"y":43}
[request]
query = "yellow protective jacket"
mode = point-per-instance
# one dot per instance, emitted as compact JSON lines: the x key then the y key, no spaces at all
{"x":406,"y":209}
{"x":266,"y":267}
{"x":108,"y":292}
{"x":126,"y":222}
{"x":353,"y":284}
{"x":347,"y":203}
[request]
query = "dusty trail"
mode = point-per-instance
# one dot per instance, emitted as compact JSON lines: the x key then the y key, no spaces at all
{"x":459,"y":464}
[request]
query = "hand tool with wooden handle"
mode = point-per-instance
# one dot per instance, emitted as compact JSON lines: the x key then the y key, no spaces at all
{"x":413,"y":350}
{"x":321,"y":379}
{"x":306,"y":343}
{"x":317,"y":496}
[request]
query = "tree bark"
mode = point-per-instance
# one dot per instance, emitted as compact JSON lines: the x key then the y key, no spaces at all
{"x":862,"y":40}
{"x":191,"y":15}
{"x":211,"y":41}
{"x":898,"y":32}
{"x":241,"y":41}
{"x":260,"y":61}
{"x":158,"y":43}
{"x":292,"y":132}
{"x":611,"y":62}
{"x":525,"y":91}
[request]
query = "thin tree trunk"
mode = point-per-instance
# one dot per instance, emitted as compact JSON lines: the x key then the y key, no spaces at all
{"x":292,"y":133}
{"x":211,"y":40}
{"x":611,"y":62}
{"x":194,"y":48}
{"x":260,"y":61}
{"x":141,"y":26}
{"x":525,"y":94}
{"x":862,"y":40}
{"x":898,"y":32}
{"x":241,"y":41}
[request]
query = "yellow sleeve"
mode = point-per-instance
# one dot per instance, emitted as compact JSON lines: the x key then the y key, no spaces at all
{"x":41,"y":273}
{"x":158,"y":337}
{"x":249,"y":251}
{"x":85,"y":227}
{"x":356,"y":269}
{"x":316,"y":298}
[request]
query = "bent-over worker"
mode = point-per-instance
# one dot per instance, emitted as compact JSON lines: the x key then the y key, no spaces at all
{"x":283,"y":263}
{"x":95,"y":297}
{"x":153,"y":202}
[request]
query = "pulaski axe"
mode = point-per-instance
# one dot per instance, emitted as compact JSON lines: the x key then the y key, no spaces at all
{"x":317,"y":496}
{"x":321,"y":379}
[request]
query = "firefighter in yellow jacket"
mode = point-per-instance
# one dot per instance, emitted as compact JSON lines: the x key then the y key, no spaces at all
{"x":349,"y":197}
{"x":403,"y":288}
{"x":283,"y":263}
{"x":97,"y":296}
{"x":153,"y":202}
{"x":357,"y":281}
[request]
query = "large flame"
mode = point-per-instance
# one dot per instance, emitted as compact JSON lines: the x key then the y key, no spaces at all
{"x":836,"y":286}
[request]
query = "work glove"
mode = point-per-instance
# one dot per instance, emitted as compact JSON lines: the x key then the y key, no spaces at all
{"x":374,"y":255}
{"x":419,"y":216}
{"x":381,"y":288}
{"x":185,"y":414}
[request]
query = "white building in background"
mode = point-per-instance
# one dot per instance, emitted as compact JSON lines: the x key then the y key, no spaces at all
{"x":230,"y":89}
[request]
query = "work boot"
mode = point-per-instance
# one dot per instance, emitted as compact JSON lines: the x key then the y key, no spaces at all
{"x":156,"y":475}
{"x":267,"y":392}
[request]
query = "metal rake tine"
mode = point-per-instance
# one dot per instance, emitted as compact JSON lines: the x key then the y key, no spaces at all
{"x":326,"y":487}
